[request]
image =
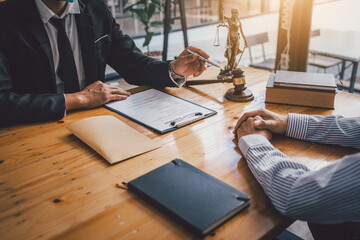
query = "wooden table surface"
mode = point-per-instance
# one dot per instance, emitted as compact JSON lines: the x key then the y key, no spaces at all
{"x":53,"y":186}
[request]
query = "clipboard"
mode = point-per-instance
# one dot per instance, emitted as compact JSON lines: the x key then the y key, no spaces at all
{"x":160,"y":111}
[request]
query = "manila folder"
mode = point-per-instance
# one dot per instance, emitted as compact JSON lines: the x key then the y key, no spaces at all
{"x":111,"y":138}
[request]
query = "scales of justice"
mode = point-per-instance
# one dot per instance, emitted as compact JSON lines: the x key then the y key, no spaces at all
{"x":239,"y":93}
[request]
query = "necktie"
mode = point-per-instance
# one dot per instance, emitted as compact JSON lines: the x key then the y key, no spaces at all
{"x":67,"y":68}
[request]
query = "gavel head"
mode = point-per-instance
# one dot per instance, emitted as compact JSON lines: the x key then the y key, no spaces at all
{"x":238,"y":77}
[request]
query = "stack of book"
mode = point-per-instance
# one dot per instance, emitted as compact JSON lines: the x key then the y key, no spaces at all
{"x":301,"y":88}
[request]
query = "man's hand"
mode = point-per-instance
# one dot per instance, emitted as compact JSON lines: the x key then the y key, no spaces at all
{"x":271,"y":121}
{"x":248,"y":127}
{"x":187,"y":64}
{"x":95,"y":95}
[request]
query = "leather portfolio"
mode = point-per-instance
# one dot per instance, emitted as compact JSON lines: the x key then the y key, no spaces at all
{"x":189,"y":195}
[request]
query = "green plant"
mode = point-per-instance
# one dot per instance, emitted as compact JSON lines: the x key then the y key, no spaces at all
{"x":144,"y":10}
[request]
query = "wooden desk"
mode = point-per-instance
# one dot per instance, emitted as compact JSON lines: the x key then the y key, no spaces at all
{"x":54,"y":186}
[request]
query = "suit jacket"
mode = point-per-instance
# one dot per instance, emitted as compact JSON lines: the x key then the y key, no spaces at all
{"x":27,"y":74}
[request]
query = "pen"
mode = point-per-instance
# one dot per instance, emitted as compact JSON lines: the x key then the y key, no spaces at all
{"x":203,"y":58}
{"x":183,"y":121}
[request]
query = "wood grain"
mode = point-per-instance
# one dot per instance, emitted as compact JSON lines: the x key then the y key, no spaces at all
{"x":53,"y":186}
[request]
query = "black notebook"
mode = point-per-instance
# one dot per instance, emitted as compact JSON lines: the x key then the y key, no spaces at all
{"x":190,"y":195}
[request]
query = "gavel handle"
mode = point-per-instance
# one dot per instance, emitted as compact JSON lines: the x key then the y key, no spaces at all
{"x":198,"y":82}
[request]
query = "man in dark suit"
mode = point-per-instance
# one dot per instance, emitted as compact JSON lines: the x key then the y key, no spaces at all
{"x":53,"y":55}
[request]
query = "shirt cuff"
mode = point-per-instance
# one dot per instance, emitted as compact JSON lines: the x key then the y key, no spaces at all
{"x":298,"y":125}
{"x":178,"y":82}
{"x":65,"y":104}
{"x":249,"y":141}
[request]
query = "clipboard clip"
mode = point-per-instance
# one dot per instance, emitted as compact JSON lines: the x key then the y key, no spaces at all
{"x":185,"y":120}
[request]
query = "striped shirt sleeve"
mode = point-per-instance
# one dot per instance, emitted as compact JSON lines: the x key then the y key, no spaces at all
{"x":331,"y":129}
{"x":329,"y":195}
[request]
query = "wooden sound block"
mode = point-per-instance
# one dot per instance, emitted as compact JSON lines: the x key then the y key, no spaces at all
{"x":239,"y":96}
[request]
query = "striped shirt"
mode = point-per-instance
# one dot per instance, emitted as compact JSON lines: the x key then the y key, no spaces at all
{"x":330,"y":195}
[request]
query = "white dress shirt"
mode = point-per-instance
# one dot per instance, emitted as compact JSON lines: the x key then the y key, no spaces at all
{"x":71,"y":31}
{"x":330,"y":195}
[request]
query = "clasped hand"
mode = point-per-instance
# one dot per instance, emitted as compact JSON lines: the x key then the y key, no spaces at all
{"x":262,"y":122}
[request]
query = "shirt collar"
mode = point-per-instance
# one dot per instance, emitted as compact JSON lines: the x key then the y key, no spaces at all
{"x":46,"y":14}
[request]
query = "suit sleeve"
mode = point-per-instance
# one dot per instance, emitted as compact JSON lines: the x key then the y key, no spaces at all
{"x":133,"y":65}
{"x":25,"y":108}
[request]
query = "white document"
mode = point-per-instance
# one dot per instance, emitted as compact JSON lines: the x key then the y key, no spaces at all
{"x":158,"y":110}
